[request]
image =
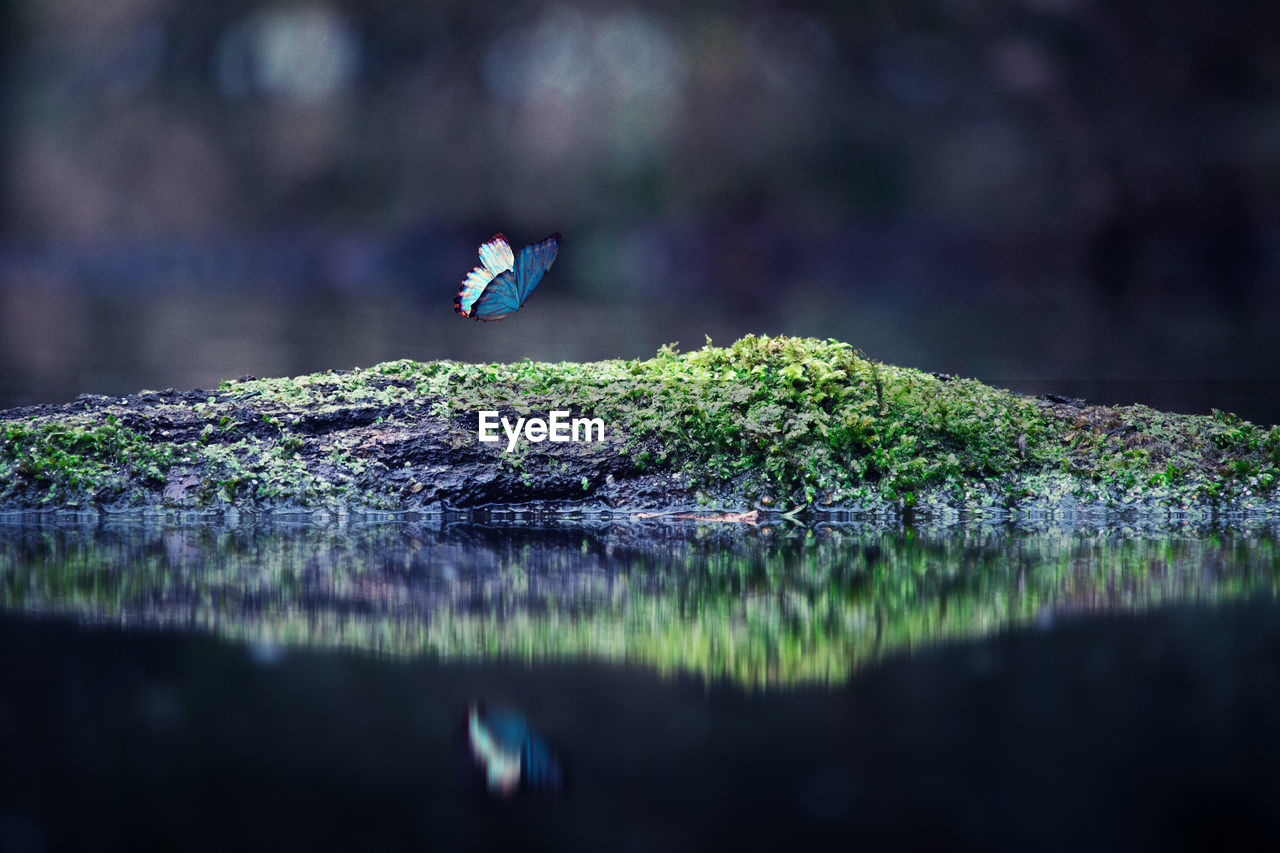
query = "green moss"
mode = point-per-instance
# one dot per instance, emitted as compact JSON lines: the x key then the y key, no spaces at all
{"x":787,"y":421}
{"x":789,"y":414}
{"x":817,"y":421}
{"x":67,"y":463}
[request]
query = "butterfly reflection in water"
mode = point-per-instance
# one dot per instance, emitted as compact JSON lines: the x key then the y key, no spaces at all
{"x":509,"y":750}
{"x":503,"y":281}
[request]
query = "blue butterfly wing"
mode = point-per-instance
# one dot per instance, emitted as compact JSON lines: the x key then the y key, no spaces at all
{"x":499,"y":299}
{"x":532,"y":264}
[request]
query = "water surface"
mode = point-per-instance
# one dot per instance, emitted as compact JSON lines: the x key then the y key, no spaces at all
{"x":986,"y":686}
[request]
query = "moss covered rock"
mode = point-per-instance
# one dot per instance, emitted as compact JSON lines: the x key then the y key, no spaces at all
{"x":778,"y":423}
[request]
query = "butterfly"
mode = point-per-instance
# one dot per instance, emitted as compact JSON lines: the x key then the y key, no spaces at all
{"x":504,"y":281}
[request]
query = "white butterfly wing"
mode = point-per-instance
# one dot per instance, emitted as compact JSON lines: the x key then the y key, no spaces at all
{"x":472,"y":286}
{"x":496,"y":255}
{"x":496,"y":258}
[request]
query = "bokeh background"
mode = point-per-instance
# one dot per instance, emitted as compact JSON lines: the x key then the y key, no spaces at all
{"x":1057,"y":195}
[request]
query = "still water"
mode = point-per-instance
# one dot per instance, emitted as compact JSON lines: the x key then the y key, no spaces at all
{"x":693,"y":686}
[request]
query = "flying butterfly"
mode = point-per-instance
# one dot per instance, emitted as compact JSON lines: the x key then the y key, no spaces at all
{"x":503,"y":281}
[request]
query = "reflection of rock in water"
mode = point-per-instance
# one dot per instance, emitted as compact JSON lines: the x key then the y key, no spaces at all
{"x":509,"y":751}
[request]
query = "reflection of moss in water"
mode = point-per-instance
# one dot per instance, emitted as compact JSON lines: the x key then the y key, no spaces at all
{"x":808,"y":606}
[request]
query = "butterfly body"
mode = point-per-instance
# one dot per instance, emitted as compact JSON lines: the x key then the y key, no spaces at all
{"x":504,"y":280}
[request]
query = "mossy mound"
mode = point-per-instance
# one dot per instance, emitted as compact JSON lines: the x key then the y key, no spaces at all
{"x":776,"y":422}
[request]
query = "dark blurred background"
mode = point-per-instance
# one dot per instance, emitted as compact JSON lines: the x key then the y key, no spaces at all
{"x":1059,"y":195}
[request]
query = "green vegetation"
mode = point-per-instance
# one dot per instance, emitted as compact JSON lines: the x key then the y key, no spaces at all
{"x":74,"y":463}
{"x":782,"y":422}
{"x":817,"y":421}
